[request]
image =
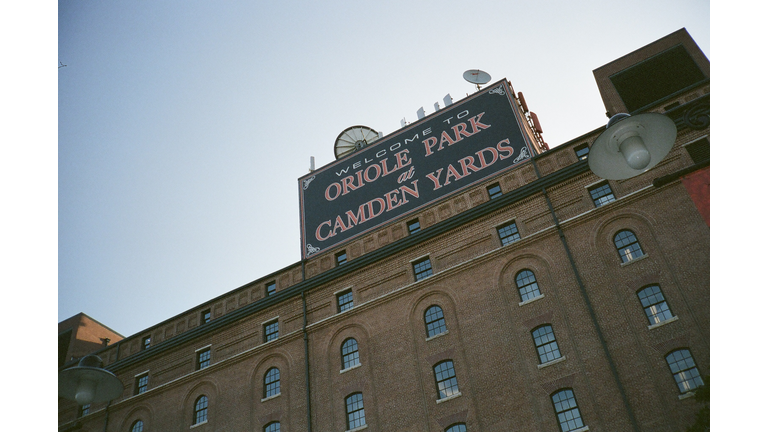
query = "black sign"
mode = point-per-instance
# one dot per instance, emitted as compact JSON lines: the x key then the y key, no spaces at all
{"x":447,"y":152}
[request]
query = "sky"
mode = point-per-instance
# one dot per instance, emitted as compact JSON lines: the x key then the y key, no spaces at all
{"x":184,"y":126}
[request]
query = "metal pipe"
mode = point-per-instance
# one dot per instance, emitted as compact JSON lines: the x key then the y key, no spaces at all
{"x":306,"y":361}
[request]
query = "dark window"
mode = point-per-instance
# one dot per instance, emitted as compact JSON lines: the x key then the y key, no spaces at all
{"x":654,"y":304}
{"x":458,"y":427}
{"x":270,"y":288}
{"x":656,"y":78}
{"x":272,"y":382}
{"x":601,"y":194}
{"x":142,"y":382}
{"x":434,"y":320}
{"x":546,"y":344}
{"x":349,"y":354}
{"x":201,"y":410}
{"x":508,"y":233}
{"x":271,"y":331}
{"x":146,"y":342}
{"x":494,"y":191}
{"x":567,"y":410}
{"x":355,"y":411}
{"x":699,"y":150}
{"x":272,"y":427}
{"x":83,"y":410}
{"x":205,"y":316}
{"x":203,"y":358}
{"x":414,"y":226}
{"x":684,"y":370}
{"x":344,"y":301}
{"x":445,"y":377}
{"x":627,"y":246}
{"x":422,"y":268}
{"x":582,"y":151}
{"x":341,"y":258}
{"x":137,"y":426}
{"x":527,"y":285}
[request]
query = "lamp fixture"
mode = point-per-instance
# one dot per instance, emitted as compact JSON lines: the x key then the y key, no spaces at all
{"x":88,"y":382}
{"x":631,"y":145}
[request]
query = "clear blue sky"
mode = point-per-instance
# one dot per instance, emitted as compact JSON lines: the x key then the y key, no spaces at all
{"x":183,"y":126}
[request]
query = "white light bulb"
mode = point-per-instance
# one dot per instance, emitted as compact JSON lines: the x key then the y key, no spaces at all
{"x":635,"y":152}
{"x":86,"y":389}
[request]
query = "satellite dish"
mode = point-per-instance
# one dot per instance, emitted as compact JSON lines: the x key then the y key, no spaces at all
{"x":353,"y":138}
{"x":631,"y":145}
{"x":477,"y":77}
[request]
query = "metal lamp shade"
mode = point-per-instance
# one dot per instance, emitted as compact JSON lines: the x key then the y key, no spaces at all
{"x":88,"y":382}
{"x":642,"y":140}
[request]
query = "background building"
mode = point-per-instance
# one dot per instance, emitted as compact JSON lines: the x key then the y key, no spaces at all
{"x":542,"y":298}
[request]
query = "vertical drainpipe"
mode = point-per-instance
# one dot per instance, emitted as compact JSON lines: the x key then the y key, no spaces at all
{"x":590,"y":309}
{"x":306,"y":350}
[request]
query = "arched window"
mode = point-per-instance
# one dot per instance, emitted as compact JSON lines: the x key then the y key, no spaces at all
{"x":627,"y":246}
{"x":458,"y":427}
{"x":201,"y":410}
{"x":272,"y":382}
{"x":654,"y":304}
{"x":355,"y":411}
{"x":445,"y":377}
{"x":527,"y":285}
{"x":567,"y":410}
{"x":137,"y":426}
{"x":546,"y":344}
{"x":434,"y":320}
{"x":684,"y":370}
{"x":272,"y":427}
{"x":349,"y":354}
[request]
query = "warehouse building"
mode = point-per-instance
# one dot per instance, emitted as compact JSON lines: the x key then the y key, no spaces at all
{"x":459,"y":275}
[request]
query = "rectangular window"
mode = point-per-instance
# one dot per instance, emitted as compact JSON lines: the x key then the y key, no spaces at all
{"x":203,"y":358}
{"x":141,"y":384}
{"x":422,"y":268}
{"x":582,"y":151}
{"x":508,"y":233}
{"x":271,"y":331}
{"x":413,"y":226}
{"x":146,"y":341}
{"x":344,"y":300}
{"x":494,"y":191}
{"x":271,"y":288}
{"x":205,"y":316}
{"x":341,"y":258}
{"x":601,"y":194}
{"x":83,"y":410}
{"x":698,"y":150}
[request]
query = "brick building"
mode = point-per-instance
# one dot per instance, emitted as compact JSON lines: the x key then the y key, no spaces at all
{"x":543,"y":298}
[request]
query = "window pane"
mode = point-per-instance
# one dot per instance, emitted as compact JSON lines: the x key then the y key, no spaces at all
{"x":546,"y":345}
{"x":627,"y":246}
{"x":272,"y":382}
{"x":349,"y":354}
{"x":508,"y":234}
{"x":684,"y":370}
{"x":567,"y":410}
{"x":344,"y":301}
{"x":527,"y":285}
{"x":271,"y":331}
{"x":422,"y":269}
{"x":355,"y":411}
{"x":446,"y":380}
{"x":435,"y":321}
{"x":602,"y":195}
{"x":654,"y":304}
{"x":201,"y":410}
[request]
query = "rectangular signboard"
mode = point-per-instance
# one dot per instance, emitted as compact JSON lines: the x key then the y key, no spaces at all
{"x":440,"y":155}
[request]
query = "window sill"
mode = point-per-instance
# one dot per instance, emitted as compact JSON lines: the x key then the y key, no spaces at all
{"x":437,"y":336}
{"x":634,"y":260}
{"x":585,"y":428}
{"x":198,"y":424}
{"x":359,"y":428}
{"x":270,"y":398}
{"x":690,"y":394}
{"x":445,"y":399}
{"x":350,"y":368}
{"x":550,"y":363}
{"x":653,"y":326}
{"x":540,"y":296}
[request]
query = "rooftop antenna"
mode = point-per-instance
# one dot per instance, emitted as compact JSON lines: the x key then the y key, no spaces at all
{"x":61,"y":65}
{"x":477,"y":77}
{"x":311,"y":163}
